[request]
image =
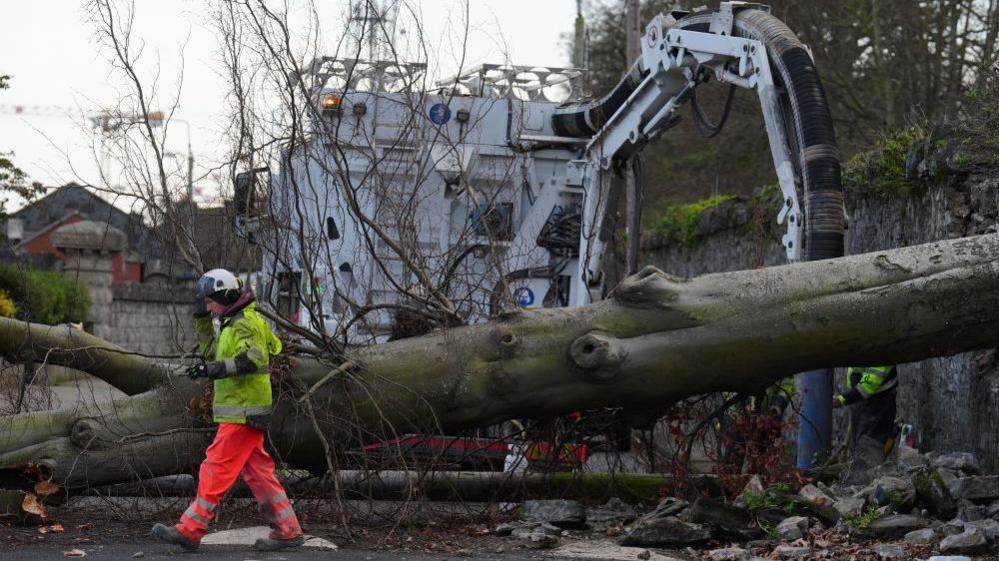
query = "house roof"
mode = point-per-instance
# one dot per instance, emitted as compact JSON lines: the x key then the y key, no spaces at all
{"x":212,"y":229}
{"x":33,"y":235}
{"x":72,"y":198}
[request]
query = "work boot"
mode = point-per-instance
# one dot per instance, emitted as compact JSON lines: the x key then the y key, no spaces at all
{"x":172,"y":535}
{"x":274,"y":543}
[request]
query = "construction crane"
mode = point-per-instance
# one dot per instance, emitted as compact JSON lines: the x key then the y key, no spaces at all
{"x":108,"y":122}
{"x":104,"y":121}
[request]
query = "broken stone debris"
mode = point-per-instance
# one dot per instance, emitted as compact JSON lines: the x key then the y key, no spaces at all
{"x":561,"y":513}
{"x":964,"y":462}
{"x":729,"y":554}
{"x":792,"y":551}
{"x":988,"y":527}
{"x":890,"y":551}
{"x":941,"y":503}
{"x":727,"y":520}
{"x":849,"y":506}
{"x":754,"y":487}
{"x":662,"y":532}
{"x":814,"y":495}
{"x":924,"y":536}
{"x":898,"y":492}
{"x":539,"y":539}
{"x":933,"y":493}
{"x":971,"y":541}
{"x":976,"y":488}
{"x":792,"y":528}
{"x":525,"y":531}
{"x":891,"y":526}
{"x":615,"y":513}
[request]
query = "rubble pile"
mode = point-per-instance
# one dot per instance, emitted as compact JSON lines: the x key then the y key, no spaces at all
{"x":916,"y":507}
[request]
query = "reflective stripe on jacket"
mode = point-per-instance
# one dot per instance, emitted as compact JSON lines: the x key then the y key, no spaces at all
{"x":237,"y":397}
{"x":867,"y":381}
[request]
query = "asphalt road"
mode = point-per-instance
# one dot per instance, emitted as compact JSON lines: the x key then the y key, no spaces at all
{"x":153,"y":550}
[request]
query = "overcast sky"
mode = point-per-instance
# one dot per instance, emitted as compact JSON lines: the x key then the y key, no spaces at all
{"x":50,"y":50}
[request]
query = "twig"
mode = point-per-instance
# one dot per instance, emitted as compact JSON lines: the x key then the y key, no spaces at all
{"x":349,"y":365}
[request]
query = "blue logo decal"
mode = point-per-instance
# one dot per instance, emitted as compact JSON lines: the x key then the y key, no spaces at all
{"x":524,"y":296}
{"x":439,"y":113}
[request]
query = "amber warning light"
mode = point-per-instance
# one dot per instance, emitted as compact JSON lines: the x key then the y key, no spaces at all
{"x":331,"y":102}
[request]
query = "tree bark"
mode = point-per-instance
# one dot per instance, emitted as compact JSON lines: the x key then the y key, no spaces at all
{"x":476,"y":486}
{"x":656,"y":340}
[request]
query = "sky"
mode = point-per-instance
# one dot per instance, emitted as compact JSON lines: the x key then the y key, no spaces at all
{"x":59,"y":69}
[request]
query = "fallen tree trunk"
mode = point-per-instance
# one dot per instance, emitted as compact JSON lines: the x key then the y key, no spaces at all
{"x":471,"y":486}
{"x":654,"y":341}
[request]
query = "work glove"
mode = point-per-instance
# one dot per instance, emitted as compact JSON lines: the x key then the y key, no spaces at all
{"x":206,"y":370}
{"x":200,"y":308}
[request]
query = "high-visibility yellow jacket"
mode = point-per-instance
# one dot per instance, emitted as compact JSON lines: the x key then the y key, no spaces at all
{"x":245,"y":345}
{"x":866,"y":381}
{"x":777,"y":395}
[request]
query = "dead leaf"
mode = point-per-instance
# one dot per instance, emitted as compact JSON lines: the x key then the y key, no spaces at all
{"x":46,"y":488}
{"x":55,"y":528}
{"x":31,"y":505}
{"x":74,"y":553}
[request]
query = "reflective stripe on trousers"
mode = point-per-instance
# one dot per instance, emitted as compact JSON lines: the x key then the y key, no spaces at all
{"x":237,"y":449}
{"x":282,"y":510}
{"x":196,"y":518}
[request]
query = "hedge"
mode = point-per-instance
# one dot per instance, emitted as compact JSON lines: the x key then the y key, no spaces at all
{"x":44,"y":296}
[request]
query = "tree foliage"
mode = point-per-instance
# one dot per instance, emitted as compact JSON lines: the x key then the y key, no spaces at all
{"x":981,"y":124}
{"x":43,"y":296}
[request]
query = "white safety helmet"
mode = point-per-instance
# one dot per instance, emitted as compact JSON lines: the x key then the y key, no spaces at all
{"x":219,"y":280}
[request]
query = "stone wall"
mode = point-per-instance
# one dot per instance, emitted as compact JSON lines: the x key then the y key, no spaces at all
{"x":952,"y":401}
{"x":152,"y":319}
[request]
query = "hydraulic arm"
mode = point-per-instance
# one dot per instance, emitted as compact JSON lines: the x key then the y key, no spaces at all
{"x":739,"y":44}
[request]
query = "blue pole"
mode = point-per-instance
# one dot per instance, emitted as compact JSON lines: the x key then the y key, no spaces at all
{"x":815,"y":419}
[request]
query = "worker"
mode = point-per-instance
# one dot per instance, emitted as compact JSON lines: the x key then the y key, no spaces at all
{"x":242,"y":402}
{"x":873,"y":390}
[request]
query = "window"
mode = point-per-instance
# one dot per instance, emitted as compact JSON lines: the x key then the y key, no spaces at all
{"x":331,"y":230}
{"x":495,"y":221}
{"x":289,"y":294}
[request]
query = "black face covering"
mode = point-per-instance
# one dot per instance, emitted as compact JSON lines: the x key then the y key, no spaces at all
{"x":206,"y":286}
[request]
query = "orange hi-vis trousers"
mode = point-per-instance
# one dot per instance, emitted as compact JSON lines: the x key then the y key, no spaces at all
{"x":238,"y":448}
